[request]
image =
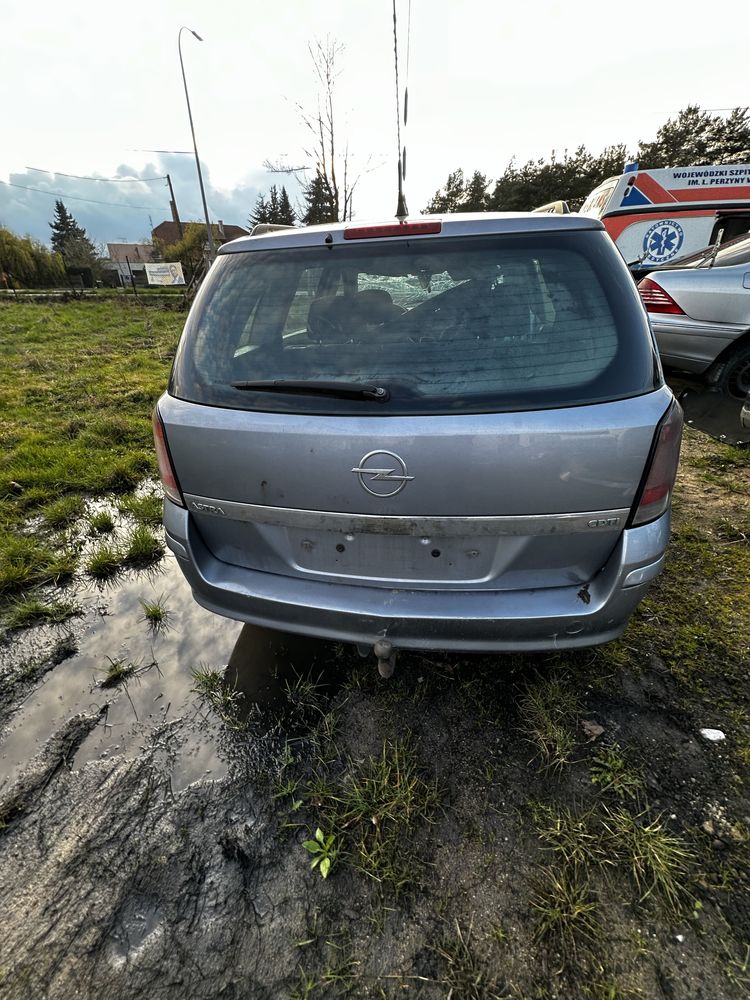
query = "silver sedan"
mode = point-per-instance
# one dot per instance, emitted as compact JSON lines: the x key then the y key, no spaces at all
{"x":700,"y":314}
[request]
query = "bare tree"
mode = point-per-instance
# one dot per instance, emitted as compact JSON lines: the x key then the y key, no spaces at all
{"x":329,"y":164}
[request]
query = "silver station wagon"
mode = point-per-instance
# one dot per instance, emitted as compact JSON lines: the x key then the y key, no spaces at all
{"x":450,"y":433}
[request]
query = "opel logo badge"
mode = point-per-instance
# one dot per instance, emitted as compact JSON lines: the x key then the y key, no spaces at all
{"x":382,"y":473}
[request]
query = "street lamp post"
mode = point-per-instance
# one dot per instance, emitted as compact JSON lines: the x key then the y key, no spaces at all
{"x":211,"y":248}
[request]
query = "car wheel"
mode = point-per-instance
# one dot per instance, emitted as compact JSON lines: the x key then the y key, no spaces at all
{"x":735,"y":376}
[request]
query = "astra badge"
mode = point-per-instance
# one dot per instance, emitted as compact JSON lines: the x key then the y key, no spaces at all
{"x":382,"y":473}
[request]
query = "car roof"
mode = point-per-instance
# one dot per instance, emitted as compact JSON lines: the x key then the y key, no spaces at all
{"x":458,"y":224}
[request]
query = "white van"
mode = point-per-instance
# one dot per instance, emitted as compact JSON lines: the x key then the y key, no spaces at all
{"x":658,"y":216}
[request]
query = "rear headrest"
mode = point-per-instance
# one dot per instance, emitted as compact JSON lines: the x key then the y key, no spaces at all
{"x":339,"y":318}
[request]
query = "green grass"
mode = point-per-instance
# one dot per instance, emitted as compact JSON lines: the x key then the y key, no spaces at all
{"x":566,"y":909}
{"x":156,"y":615}
{"x":78,"y":382}
{"x":143,"y":547}
{"x":462,"y":973}
{"x":146,"y":509}
{"x":658,"y":862}
{"x":105,"y":562}
{"x":32,"y":610}
{"x":637,"y":844}
{"x":374,"y":809}
{"x":101,"y":523}
{"x":120,"y":671}
{"x":549,"y":711}
{"x":26,"y":562}
{"x":226,"y":702}
{"x":60,"y":513}
{"x":611,"y":771}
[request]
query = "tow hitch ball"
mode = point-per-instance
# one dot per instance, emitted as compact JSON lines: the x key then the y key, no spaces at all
{"x":386,"y":655}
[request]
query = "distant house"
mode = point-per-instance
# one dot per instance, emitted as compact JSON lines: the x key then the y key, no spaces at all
{"x":171,"y":232}
{"x":137,"y":255}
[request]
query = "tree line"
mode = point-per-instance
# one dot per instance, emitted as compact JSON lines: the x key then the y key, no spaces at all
{"x":693,"y":138}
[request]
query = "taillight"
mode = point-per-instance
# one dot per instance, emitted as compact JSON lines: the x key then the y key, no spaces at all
{"x":393,"y":229}
{"x":656,"y":300}
{"x":166,"y":471}
{"x":662,"y":469}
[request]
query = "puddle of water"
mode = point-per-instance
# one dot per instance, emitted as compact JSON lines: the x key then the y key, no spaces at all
{"x":709,"y":410}
{"x":114,"y":628}
{"x":714,"y":413}
{"x":265,"y":665}
{"x":259,"y":663}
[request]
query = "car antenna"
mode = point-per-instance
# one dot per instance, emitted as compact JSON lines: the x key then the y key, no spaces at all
{"x":401,"y":210}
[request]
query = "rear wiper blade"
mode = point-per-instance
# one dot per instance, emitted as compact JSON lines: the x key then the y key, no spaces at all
{"x":344,"y":390}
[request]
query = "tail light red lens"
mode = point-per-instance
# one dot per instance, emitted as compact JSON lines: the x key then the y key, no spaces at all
{"x":662,"y":471}
{"x":656,"y":300}
{"x":166,"y":470}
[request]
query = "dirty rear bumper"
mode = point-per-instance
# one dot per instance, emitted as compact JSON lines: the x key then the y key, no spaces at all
{"x":549,"y":618}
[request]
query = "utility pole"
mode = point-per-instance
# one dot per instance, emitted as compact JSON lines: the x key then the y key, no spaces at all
{"x":209,"y":234}
{"x":173,"y":206}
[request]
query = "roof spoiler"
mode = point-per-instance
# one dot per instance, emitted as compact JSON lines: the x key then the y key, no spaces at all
{"x":268,"y":227}
{"x":554,"y":208}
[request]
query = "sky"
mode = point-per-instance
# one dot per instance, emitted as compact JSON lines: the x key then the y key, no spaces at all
{"x":90,"y":87}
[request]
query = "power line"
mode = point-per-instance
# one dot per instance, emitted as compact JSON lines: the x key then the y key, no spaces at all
{"x":182,"y":152}
{"x":111,"y":180}
{"x":72,"y":197}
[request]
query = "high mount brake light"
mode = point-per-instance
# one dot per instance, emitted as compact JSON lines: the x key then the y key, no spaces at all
{"x":662,"y":470}
{"x":393,"y":229}
{"x":166,"y":470}
{"x":656,"y":300}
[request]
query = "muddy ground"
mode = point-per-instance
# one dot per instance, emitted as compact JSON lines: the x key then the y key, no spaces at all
{"x":520,"y":827}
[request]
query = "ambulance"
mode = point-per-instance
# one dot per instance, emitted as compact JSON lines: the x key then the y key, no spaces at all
{"x":657,"y":216}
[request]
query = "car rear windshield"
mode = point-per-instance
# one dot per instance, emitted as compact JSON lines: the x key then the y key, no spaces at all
{"x":444,"y":325}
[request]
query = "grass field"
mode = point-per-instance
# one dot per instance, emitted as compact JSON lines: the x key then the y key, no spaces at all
{"x":78,"y":382}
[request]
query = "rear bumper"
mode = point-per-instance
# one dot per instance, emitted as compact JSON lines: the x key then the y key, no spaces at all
{"x":551,"y":618}
{"x":691,"y":344}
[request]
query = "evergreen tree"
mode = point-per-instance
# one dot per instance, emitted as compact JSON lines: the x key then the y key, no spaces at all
{"x":450,"y":197}
{"x":319,"y":206}
{"x":260,"y":213}
{"x":273,"y":205}
{"x":65,"y":230}
{"x":277,"y":210}
{"x":696,"y":137}
{"x":287,"y":216}
{"x":475,"y":194}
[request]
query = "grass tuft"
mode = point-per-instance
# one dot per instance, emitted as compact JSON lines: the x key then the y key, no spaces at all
{"x":611,"y":771}
{"x":463,"y":975}
{"x":211,"y":687}
{"x":27,"y":563}
{"x":143,"y":547}
{"x":101,"y":523}
{"x":146,"y":509}
{"x":549,"y":710}
{"x":658,"y":862}
{"x":156,"y":614}
{"x":374,"y":810}
{"x":35,"y":611}
{"x":566,"y":909}
{"x":60,"y":513}
{"x":119,"y":671}
{"x":105,"y":562}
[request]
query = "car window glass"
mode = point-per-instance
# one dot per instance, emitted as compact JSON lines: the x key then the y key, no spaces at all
{"x":445,"y":324}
